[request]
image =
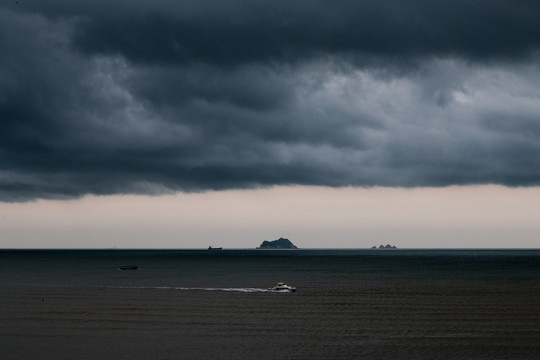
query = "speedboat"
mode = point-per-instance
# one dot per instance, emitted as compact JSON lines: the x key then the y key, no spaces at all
{"x":281,"y":286}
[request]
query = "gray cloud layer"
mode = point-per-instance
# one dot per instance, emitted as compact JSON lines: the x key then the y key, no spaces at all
{"x":150,"y":97}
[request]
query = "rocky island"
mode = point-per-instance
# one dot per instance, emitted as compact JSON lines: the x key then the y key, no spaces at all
{"x":387,"y":246}
{"x":280,"y":243}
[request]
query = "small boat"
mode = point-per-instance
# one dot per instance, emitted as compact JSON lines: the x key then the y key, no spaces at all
{"x":281,"y":286}
{"x":213,"y":248}
{"x":128,"y":267}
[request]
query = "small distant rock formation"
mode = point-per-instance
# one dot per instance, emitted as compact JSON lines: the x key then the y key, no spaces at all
{"x":387,"y":246}
{"x":280,"y":243}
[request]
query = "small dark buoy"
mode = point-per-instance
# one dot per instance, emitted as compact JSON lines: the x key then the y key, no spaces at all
{"x":129,"y":267}
{"x":42,"y":299}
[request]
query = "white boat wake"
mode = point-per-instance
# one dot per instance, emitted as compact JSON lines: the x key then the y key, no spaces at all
{"x":245,"y":290}
{"x":230,"y":289}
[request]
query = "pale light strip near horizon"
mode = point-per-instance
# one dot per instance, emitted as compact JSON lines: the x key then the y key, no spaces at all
{"x":312,"y":217}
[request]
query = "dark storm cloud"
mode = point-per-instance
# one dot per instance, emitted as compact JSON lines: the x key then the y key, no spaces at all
{"x":153,"y":97}
{"x":259,"y":31}
{"x":237,"y":32}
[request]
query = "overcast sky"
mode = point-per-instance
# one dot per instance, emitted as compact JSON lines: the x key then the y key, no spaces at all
{"x":172,"y":97}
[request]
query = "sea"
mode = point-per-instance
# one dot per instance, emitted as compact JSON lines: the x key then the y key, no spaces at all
{"x":202,"y":304}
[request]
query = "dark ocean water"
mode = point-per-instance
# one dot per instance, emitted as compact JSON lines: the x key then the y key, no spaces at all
{"x":197,"y":304}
